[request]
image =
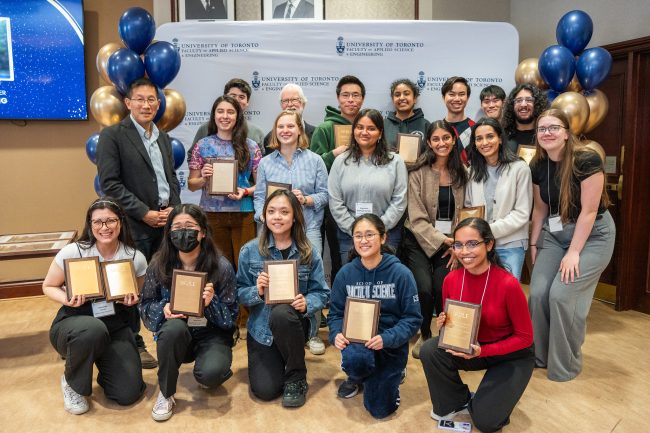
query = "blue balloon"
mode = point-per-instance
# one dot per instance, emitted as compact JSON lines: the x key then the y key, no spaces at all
{"x":137,"y":29}
{"x":91,"y":147}
{"x":178,"y":150}
{"x":556,"y":66}
{"x":551,"y":95}
{"x":124,"y":67}
{"x":574,"y":31}
{"x":162,"y":62}
{"x":593,"y":67}
{"x":98,"y":187}
{"x":162,"y":106}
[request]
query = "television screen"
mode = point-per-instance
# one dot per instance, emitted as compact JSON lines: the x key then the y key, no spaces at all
{"x":42,"y":72}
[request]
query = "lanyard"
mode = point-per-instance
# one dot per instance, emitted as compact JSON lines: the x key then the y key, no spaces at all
{"x":484,"y":287}
{"x":548,"y":189}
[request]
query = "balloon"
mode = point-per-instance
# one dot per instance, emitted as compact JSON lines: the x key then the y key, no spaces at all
{"x":574,"y":85}
{"x":551,"y":95}
{"x":137,"y":29}
{"x":102,"y":59}
{"x":556,"y":66}
{"x":124,"y":67}
{"x":174,"y":111}
{"x":576,"y":108}
{"x":91,"y":147}
{"x":98,"y":187}
{"x":162,"y":106}
{"x":593,"y":67}
{"x":574,"y":31}
{"x":107,"y":106}
{"x":162,"y":62}
{"x":179,"y":152}
{"x":596,"y":147}
{"x":598,"y":107}
{"x":527,"y":72}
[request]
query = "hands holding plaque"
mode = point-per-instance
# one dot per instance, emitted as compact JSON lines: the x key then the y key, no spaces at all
{"x":222,"y":175}
{"x":279,"y":284}
{"x":459,"y":328}
{"x":360,"y":320}
{"x":87,"y":279}
{"x":187,"y":294}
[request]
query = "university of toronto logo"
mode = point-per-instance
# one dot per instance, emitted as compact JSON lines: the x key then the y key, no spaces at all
{"x":422,"y":81}
{"x":340,"y":46}
{"x":256,"y":80}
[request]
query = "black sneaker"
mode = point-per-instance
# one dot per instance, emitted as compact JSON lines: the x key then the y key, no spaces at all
{"x":295,"y":393}
{"x":348,"y":389}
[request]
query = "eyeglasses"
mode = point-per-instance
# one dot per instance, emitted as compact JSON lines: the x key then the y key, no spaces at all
{"x":367,"y":236}
{"x":347,"y":95}
{"x":290,"y":101}
{"x":553,"y":129}
{"x":142,"y":101}
{"x":469,"y":244}
{"x":528,"y":100}
{"x":110,"y":223}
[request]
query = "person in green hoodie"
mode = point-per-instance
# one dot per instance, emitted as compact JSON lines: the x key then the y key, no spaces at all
{"x":406,"y":119}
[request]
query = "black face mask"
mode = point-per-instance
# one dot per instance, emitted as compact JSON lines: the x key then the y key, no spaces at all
{"x":184,"y":240}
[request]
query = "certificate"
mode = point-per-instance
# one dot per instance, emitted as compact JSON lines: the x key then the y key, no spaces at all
{"x":83,"y":277}
{"x":360,"y":319}
{"x":342,"y":135}
{"x":187,"y":292}
{"x":526,"y":152}
{"x":271,"y":187}
{"x":224,"y":177}
{"x":37,"y":237}
{"x":408,"y":147}
{"x":471,"y":212}
{"x":119,"y":279}
{"x":461,"y":326}
{"x":283,"y":281}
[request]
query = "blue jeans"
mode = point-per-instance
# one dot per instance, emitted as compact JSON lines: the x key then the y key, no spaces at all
{"x":512,"y":259}
{"x":346,"y":243}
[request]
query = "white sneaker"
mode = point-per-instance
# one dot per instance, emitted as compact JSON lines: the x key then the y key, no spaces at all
{"x":73,"y":402}
{"x":316,"y":345}
{"x":451,"y":415}
{"x":164,"y":408}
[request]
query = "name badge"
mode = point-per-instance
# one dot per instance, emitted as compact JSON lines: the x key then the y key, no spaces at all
{"x":443,"y":226}
{"x":197,"y":322}
{"x":555,"y":224}
{"x":362,"y":208}
{"x":103,"y":308}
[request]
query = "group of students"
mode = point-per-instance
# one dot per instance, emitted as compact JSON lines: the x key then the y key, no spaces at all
{"x":397,"y":231}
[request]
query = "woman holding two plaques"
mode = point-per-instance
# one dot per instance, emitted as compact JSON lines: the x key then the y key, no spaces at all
{"x":374,"y":273}
{"x":500,"y":181}
{"x":572,"y":240}
{"x":86,"y":332}
{"x":435,"y":196}
{"x":230,"y":216}
{"x":406,"y":119}
{"x":187,"y":245}
{"x":277,"y":332}
{"x":505,"y":336}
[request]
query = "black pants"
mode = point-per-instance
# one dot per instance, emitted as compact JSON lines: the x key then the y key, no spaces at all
{"x":330,"y":231}
{"x":84,"y":341}
{"x":503,"y":384}
{"x":210,"y":350}
{"x":429,"y":274}
{"x":271,"y":367}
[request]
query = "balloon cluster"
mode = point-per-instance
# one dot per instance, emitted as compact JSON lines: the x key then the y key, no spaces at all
{"x":119,"y":65}
{"x":571,"y":73}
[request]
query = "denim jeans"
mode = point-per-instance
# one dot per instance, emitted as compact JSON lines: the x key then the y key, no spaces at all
{"x":512,"y":259}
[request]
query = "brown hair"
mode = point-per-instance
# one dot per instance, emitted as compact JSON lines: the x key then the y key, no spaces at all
{"x":303,"y":140}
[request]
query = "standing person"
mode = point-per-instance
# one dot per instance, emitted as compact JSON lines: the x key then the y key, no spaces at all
{"x":492,"y":98}
{"x":455,"y":94}
{"x":292,"y":98}
{"x":524,"y":104}
{"x":82,"y":335}
{"x":501,"y":182}
{"x":208,"y":341}
{"x":127,"y":154}
{"x":277,"y":333}
{"x":367,"y":178}
{"x":230,"y":217}
{"x":406,"y":118}
{"x":435,"y":196}
{"x":572,"y":241}
{"x":505,"y":336}
{"x":292,"y":162}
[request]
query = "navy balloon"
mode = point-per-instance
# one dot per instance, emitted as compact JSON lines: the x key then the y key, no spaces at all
{"x":574,"y":31}
{"x":124,"y":67}
{"x":137,"y":29}
{"x":91,"y":147}
{"x":162,"y":62}
{"x":178,"y":150}
{"x":556,"y":66}
{"x":551,"y":95}
{"x":162,"y":106}
{"x":98,"y":187}
{"x":593,"y":67}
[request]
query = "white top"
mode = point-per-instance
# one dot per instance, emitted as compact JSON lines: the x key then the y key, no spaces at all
{"x":71,"y":251}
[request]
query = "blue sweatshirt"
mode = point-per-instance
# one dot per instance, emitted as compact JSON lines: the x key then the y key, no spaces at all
{"x":393,"y":284}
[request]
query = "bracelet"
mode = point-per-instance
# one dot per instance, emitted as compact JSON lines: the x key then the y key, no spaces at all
{"x":532,"y":245}
{"x":245,"y":192}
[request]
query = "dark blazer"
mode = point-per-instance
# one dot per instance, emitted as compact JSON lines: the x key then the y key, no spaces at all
{"x":194,"y":10}
{"x":309,"y":130}
{"x":305,"y":9}
{"x":126,"y":173}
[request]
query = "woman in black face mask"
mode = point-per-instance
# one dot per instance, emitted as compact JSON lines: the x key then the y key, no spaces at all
{"x":187,"y":245}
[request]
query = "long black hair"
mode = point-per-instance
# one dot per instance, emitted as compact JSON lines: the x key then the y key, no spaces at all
{"x":484,"y":231}
{"x":381,"y":228}
{"x":239,"y":132}
{"x":477,"y":162}
{"x":87,"y":239}
{"x":381,"y":155}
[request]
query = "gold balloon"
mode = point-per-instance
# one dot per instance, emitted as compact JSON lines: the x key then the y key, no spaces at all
{"x":102,"y":59}
{"x":591,"y":144}
{"x":527,"y":72}
{"x":576,"y":108}
{"x":174,"y":110}
{"x":598,"y":107}
{"x":107,"y":106}
{"x":574,"y":85}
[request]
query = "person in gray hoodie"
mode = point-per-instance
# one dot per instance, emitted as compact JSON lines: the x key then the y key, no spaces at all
{"x":406,"y":119}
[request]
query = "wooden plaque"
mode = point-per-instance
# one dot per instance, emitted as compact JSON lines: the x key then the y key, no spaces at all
{"x":224,"y":177}
{"x":187,"y":292}
{"x":83,"y":277}
{"x":471,"y":212}
{"x":526,"y":152}
{"x":37,"y":237}
{"x":408,"y":147}
{"x":119,"y":279}
{"x":342,"y":135}
{"x":271,"y":187}
{"x":360,"y":319}
{"x":461,"y":326}
{"x":283,"y":281}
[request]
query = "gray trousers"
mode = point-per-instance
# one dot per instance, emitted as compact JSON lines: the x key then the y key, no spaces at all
{"x":559,"y":310}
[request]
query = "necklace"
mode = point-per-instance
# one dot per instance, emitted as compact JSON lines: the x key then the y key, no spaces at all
{"x":484,"y":287}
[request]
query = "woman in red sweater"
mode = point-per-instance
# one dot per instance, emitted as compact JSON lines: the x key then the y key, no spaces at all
{"x":505,"y":336}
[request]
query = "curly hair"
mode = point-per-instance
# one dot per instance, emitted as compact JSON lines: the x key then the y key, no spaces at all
{"x":509,"y":119}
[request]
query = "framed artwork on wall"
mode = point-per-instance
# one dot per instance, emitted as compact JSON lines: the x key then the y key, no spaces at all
{"x":293,"y":9}
{"x":203,"y":10}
